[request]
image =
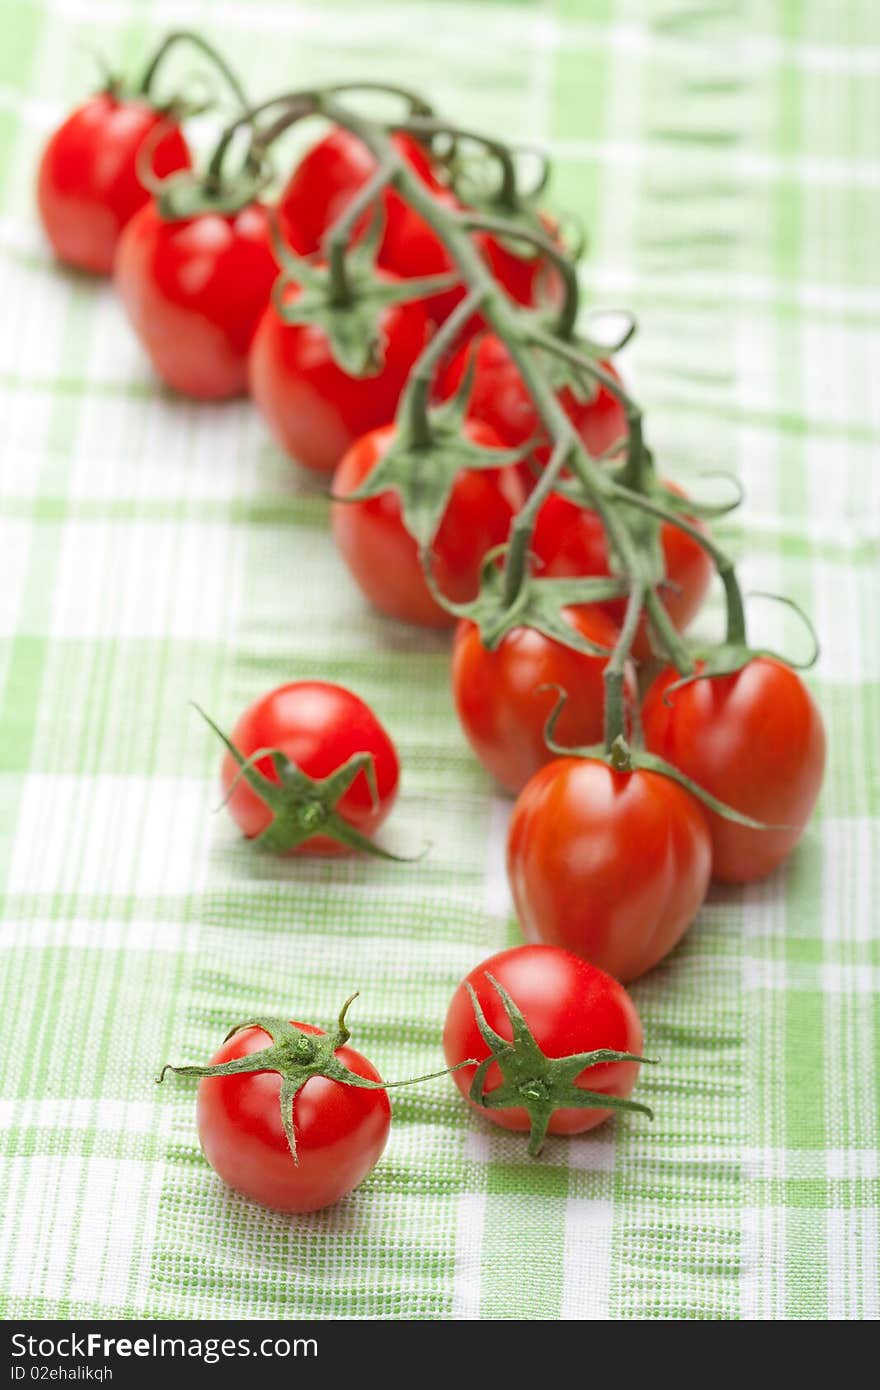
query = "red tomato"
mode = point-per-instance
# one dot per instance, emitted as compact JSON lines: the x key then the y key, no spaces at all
{"x":318,"y":726}
{"x":755,"y":741}
{"x":570,"y":1007}
{"x":88,"y":186}
{"x":382,"y":556}
{"x":499,"y":397}
{"x":502,"y":710}
{"x":611,"y":865}
{"x":194,"y":291}
{"x":324,"y":183}
{"x":570,"y":541}
{"x":341,"y":1130}
{"x":316,"y":410}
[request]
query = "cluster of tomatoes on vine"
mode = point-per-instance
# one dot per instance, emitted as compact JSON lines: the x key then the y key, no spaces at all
{"x":714,"y":770}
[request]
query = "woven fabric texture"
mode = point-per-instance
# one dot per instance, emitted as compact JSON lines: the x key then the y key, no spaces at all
{"x":724,"y":156}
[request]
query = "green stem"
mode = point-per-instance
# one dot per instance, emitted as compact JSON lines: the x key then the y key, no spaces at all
{"x":615,"y":711}
{"x":575,"y":358}
{"x":296,"y":106}
{"x":336,"y":241}
{"x":498,"y":226}
{"x":524,"y":525}
{"x":507,"y":196}
{"x":417,"y":393}
{"x":209,"y":51}
{"x":667,"y":632}
{"x":736,"y":618}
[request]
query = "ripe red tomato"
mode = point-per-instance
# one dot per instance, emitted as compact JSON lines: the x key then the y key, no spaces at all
{"x":382,"y":556}
{"x":318,"y":726}
{"x":755,"y":741}
{"x":502,"y":709}
{"x":341,"y":1130}
{"x":570,"y":541}
{"x":611,"y":865}
{"x":316,"y":410}
{"x":499,"y":397}
{"x":324,"y":183}
{"x":569,"y":1006}
{"x":194,"y":291}
{"x":88,"y":186}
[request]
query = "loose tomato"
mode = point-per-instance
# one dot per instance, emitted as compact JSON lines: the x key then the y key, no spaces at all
{"x":500,"y":398}
{"x":88,"y":186}
{"x":194,"y":291}
{"x":611,"y":865}
{"x":382,"y":556}
{"x":570,"y":541}
{"x":324,"y":183}
{"x":755,"y":741}
{"x":319,"y":727}
{"x":570,"y":1007}
{"x":316,"y":410}
{"x":502,"y":708}
{"x":341,"y":1130}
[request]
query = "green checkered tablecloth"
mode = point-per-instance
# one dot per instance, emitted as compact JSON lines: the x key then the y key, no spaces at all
{"x":725,"y":157}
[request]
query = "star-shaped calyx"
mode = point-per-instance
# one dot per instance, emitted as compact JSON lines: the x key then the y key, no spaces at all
{"x":304,"y":806}
{"x":534,"y":1082}
{"x":424,"y":459}
{"x":297,"y":1056}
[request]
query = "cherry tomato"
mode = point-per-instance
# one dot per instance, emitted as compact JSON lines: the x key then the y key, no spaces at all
{"x":341,"y":1130}
{"x":499,"y":397}
{"x":382,"y":556}
{"x":316,"y":410}
{"x":88,"y":186}
{"x":324,"y":183}
{"x":755,"y":741}
{"x":318,"y":726}
{"x":570,"y":1007}
{"x":611,"y":865}
{"x":570,"y":541}
{"x":500,"y":704}
{"x":194,"y":291}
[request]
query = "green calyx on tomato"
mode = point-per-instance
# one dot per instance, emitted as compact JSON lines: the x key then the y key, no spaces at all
{"x":345,"y":297}
{"x":296,"y":1056}
{"x":538,"y":603}
{"x":429,"y":451}
{"x":303,"y":807}
{"x":535,"y":1082}
{"x":735,"y":654}
{"x":622,"y":757}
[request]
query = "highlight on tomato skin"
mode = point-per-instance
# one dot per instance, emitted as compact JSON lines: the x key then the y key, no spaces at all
{"x":194,"y":291}
{"x":570,"y":1006}
{"x":319,"y":726}
{"x":756,"y":741}
{"x":383,"y":558}
{"x":88,"y":185}
{"x":502,"y":704}
{"x":611,"y":865}
{"x":341,"y":1131}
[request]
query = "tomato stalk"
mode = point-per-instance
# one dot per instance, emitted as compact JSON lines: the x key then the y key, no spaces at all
{"x":189,"y":36}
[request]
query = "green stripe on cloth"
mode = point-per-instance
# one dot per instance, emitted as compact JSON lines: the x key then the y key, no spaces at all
{"x":724,"y":157}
